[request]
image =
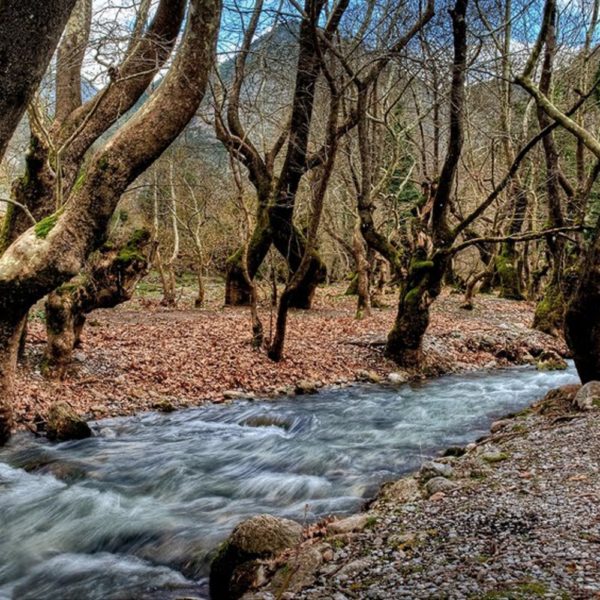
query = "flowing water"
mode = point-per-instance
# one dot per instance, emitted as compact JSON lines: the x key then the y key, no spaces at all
{"x":134,"y":512}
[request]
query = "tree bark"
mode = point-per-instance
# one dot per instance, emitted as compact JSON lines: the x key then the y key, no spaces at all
{"x":109,"y":279}
{"x":425,"y":276}
{"x":29,"y":33}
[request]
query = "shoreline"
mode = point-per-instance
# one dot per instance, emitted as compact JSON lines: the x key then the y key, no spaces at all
{"x":134,"y":360}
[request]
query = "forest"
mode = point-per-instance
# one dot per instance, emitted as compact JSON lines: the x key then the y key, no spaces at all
{"x":299,"y":299}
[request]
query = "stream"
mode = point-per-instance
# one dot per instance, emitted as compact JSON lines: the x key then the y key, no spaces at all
{"x":134,"y":512}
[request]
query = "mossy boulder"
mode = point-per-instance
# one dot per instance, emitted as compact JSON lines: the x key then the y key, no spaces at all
{"x":237,"y":565}
{"x":551,"y":361}
{"x":63,"y":423}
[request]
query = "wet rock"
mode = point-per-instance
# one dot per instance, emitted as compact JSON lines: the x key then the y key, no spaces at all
{"x":551,"y":361}
{"x":305,"y":387}
{"x":267,"y":421}
{"x":64,"y":423}
{"x":432,"y":469}
{"x":398,"y":377}
{"x":353,"y":523}
{"x":164,"y":405}
{"x":588,"y":396}
{"x":236,"y":567}
{"x":439,"y":484}
{"x":238,"y":395}
{"x":368,"y":376}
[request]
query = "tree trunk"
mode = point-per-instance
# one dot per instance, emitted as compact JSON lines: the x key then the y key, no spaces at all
{"x":424,"y":281}
{"x":109,"y":279}
{"x":52,"y":252}
{"x":582,"y":320}
{"x":363,"y":283}
{"x":11,"y":326}
{"x":29,"y":33}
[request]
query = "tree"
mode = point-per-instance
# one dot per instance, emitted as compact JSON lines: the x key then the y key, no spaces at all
{"x":54,"y":250}
{"x":29,"y":33}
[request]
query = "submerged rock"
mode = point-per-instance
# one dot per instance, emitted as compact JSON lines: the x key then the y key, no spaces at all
{"x":588,"y":396}
{"x":237,"y":567}
{"x":64,"y":423}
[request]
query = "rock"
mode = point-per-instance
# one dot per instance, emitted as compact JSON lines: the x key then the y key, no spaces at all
{"x":164,"y":405}
{"x":499,"y":425}
{"x":368,"y":376}
{"x":397,"y":377}
{"x":558,"y":400}
{"x":305,"y":387}
{"x":494,"y":457}
{"x":439,"y":484}
{"x":267,"y":421}
{"x":454,"y":451}
{"x":298,"y":572}
{"x":236,"y":567}
{"x":353,"y":523}
{"x":355,"y":567}
{"x":551,"y":361}
{"x":437,"y":496}
{"x":432,"y":469}
{"x":401,"y":491}
{"x":237,"y":395}
{"x":588,"y":396}
{"x":64,"y":423}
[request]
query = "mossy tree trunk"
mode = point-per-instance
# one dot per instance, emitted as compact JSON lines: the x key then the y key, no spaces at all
{"x":425,"y":276}
{"x":51,"y":253}
{"x":550,"y":311}
{"x":421,"y":287}
{"x":109,"y":279}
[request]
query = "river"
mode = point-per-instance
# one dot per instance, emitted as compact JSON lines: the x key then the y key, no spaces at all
{"x":134,"y":512}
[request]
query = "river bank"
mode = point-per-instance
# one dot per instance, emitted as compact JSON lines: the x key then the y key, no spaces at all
{"x":142,"y":357}
{"x":516,"y":518}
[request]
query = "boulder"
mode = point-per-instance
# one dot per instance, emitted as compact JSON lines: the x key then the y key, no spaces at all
{"x":588,"y":396}
{"x":439,"y":484}
{"x":63,"y":423}
{"x":500,"y":425}
{"x":237,"y":565}
{"x":432,"y":469}
{"x":551,"y":361}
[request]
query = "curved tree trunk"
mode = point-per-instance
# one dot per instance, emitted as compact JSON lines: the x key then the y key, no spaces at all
{"x":109,"y":279}
{"x":52,"y":252}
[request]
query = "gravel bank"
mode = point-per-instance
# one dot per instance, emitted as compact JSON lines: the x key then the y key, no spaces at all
{"x":521,"y":521}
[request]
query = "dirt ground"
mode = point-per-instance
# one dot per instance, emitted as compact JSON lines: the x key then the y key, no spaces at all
{"x":142,"y":356}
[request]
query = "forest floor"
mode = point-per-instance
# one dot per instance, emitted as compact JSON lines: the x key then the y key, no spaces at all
{"x":515,"y":518}
{"x":142,"y":356}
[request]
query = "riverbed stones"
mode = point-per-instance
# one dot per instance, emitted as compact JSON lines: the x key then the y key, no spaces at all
{"x":439,"y":484}
{"x":64,"y":424}
{"x":236,"y":567}
{"x":588,"y":396}
{"x":368,"y":376}
{"x":500,"y":425}
{"x":432,"y":469}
